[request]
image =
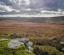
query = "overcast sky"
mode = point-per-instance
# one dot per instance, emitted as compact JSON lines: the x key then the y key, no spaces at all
{"x":9,"y":5}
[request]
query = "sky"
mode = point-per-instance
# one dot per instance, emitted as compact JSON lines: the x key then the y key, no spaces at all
{"x":18,"y":5}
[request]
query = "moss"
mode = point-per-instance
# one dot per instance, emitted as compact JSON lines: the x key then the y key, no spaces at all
{"x":3,"y":44}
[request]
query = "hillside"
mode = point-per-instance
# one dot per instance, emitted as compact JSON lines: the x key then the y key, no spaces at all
{"x":54,"y":20}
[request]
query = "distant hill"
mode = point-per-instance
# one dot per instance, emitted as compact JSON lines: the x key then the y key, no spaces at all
{"x":52,"y":20}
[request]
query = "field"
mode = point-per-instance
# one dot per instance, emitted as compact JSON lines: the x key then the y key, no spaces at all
{"x":44,"y":35}
{"x":30,"y":28}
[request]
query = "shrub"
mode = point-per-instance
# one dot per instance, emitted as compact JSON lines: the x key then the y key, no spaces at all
{"x":50,"y":50}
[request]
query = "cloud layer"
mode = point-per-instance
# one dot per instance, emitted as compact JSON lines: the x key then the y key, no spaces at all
{"x":13,"y":5}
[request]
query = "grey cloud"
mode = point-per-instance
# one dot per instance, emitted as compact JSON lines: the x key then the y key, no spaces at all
{"x":35,"y":4}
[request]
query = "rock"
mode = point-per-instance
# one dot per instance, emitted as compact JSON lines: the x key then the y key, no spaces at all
{"x":24,"y":40}
{"x":16,"y":43}
{"x":62,"y":49}
{"x":29,"y":46}
{"x":61,"y":42}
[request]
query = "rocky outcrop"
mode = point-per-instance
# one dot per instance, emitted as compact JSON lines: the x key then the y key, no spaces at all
{"x":16,"y":43}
